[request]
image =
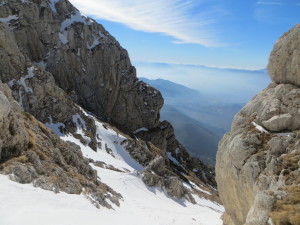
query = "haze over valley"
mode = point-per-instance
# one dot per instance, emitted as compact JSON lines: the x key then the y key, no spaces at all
{"x":215,"y":85}
{"x":202,"y":115}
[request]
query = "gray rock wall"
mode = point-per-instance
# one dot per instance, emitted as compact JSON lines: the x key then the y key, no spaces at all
{"x":257,"y":161}
{"x":284,"y":65}
{"x":54,"y":58}
{"x":93,"y":70}
{"x":30,"y":152}
{"x":83,"y":57}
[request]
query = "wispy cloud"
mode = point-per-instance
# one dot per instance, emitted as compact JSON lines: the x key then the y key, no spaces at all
{"x":266,"y":11}
{"x":170,"y":17}
{"x":268,"y":3}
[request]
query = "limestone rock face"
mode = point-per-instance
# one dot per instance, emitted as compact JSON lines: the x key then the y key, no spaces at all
{"x":258,"y":160}
{"x":284,"y":61}
{"x":61,"y":58}
{"x":30,"y":152}
{"x":83,"y":57}
{"x":251,"y":164}
{"x":12,"y":60}
{"x":156,"y":174}
{"x":59,"y":65}
{"x":164,"y":138}
{"x":4,"y":111}
{"x":276,"y":108}
{"x":36,"y":90}
{"x":13,"y":136}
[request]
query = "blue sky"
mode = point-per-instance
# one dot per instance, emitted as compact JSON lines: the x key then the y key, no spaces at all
{"x":221,"y":33}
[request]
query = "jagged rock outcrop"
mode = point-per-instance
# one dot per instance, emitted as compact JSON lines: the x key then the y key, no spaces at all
{"x":56,"y":60}
{"x":13,"y":137}
{"x":88,"y":63}
{"x":30,"y":152}
{"x":164,"y":138}
{"x":157,"y":174}
{"x":258,"y":165}
{"x":83,"y":57}
{"x":35,"y":89}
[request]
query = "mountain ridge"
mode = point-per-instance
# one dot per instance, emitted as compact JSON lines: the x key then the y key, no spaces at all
{"x":63,"y":73}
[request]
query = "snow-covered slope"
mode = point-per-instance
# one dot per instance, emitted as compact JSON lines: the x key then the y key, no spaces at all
{"x":27,"y":205}
{"x":143,"y":173}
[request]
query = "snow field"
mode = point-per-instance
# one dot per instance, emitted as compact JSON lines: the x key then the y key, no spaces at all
{"x":27,"y":205}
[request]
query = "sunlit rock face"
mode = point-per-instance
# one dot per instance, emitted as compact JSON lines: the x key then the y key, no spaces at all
{"x":257,"y":167}
{"x":67,"y":81}
{"x":83,"y":57}
{"x":284,"y":61}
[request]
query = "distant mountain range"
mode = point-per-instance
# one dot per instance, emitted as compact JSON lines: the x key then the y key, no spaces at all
{"x":198,"y":120}
{"x":169,"y":65}
{"x":222,"y":85}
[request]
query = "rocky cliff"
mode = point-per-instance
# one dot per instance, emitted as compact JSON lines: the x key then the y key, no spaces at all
{"x":258,"y":161}
{"x":83,"y":57}
{"x":65,"y":72}
{"x":32,"y":153}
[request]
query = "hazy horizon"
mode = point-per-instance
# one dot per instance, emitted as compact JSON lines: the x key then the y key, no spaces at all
{"x":220,"y":84}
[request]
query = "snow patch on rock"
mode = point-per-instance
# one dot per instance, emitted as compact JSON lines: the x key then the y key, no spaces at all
{"x":7,"y":20}
{"x":260,"y":128}
{"x":81,"y":127}
{"x":52,"y":4}
{"x":63,"y":37}
{"x":77,"y":17}
{"x":22,"y":82}
{"x":94,"y":44}
{"x":56,"y":127}
{"x":140,"y":129}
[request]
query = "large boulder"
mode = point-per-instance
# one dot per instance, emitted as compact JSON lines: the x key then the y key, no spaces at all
{"x":284,"y":61}
{"x":255,"y":162}
{"x":257,"y":168}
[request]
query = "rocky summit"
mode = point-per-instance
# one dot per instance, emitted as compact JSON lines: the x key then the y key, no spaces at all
{"x":75,"y":118}
{"x":258,"y":161}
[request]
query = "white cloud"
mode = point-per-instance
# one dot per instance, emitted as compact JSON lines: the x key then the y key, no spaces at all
{"x":268,"y":3}
{"x":169,"y":17}
{"x":267,"y":11}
